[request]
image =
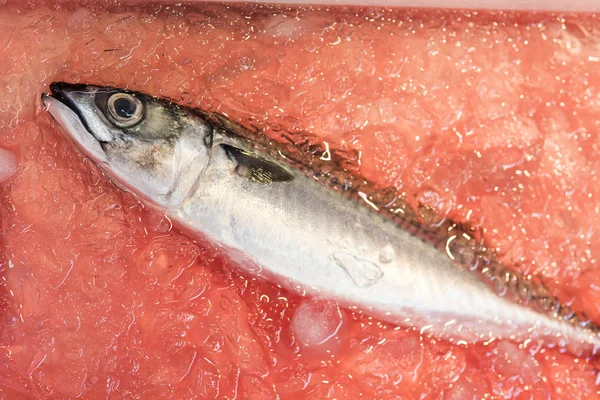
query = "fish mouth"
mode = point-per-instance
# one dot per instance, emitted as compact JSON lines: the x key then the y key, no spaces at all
{"x":59,"y":91}
{"x":69,"y":117}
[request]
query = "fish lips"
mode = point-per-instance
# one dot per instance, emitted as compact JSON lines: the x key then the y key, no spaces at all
{"x":66,"y":113}
{"x":59,"y":90}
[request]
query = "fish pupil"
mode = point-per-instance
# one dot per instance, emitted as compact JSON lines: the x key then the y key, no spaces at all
{"x":124,"y":107}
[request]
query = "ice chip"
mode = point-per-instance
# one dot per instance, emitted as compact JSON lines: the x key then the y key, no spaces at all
{"x":363,"y":272}
{"x":316,"y":322}
{"x":8,"y":164}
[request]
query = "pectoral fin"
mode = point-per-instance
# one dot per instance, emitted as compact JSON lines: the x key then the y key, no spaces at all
{"x":256,"y":168}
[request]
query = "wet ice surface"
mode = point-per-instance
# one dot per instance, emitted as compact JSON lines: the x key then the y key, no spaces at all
{"x":490,"y":118}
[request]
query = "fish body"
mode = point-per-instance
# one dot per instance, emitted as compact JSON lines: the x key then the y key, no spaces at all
{"x":271,"y":216}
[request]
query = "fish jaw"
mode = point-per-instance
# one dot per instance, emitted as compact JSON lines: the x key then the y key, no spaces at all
{"x":72,"y":125}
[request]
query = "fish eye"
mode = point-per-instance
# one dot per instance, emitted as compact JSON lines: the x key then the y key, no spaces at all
{"x":125,"y":110}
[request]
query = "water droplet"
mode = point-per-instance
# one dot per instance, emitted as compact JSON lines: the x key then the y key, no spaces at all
{"x":387,"y":254}
{"x":363,"y":272}
{"x":463,"y":250}
{"x":432,"y":207}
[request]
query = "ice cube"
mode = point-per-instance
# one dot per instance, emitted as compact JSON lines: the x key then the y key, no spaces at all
{"x":8,"y":164}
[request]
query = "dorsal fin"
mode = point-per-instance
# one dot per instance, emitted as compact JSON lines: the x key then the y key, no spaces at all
{"x":256,"y":168}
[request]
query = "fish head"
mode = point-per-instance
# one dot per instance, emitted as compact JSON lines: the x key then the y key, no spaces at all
{"x":148,"y":146}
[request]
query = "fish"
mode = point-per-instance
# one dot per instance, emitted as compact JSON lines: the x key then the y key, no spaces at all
{"x":222,"y":182}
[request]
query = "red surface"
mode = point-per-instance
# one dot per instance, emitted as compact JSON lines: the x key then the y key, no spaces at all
{"x":493,"y":117}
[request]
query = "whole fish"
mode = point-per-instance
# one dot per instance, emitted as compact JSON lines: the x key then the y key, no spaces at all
{"x":213,"y":182}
